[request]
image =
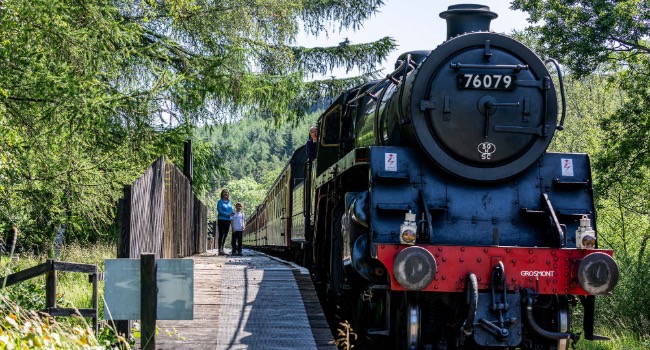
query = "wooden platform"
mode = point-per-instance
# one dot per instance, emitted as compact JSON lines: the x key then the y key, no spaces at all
{"x":249,"y":302}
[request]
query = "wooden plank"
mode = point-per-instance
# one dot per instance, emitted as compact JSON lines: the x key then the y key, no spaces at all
{"x":61,"y":311}
{"x":27,"y":273}
{"x":188,"y":161}
{"x":74,"y":267}
{"x":211,"y":311}
{"x":123,"y":327}
{"x":124,"y":224}
{"x":160,"y":213}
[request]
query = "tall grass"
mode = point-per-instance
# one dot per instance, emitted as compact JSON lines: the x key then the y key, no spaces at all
{"x":25,"y":329}
{"x":73,"y":288}
{"x":621,"y":340}
{"x":22,"y":325}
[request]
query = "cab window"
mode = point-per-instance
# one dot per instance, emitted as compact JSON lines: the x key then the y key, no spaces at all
{"x":331,"y":127}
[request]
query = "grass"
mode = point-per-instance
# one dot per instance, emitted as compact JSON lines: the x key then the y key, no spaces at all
{"x":621,"y":340}
{"x":73,"y":288}
{"x":25,"y":329}
{"x":20,"y":325}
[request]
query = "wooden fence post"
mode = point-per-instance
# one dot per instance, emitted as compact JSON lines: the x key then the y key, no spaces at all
{"x":124,"y":247}
{"x":188,"y":161}
{"x":50,"y":287}
{"x":94,"y":278}
{"x":148,"y":302}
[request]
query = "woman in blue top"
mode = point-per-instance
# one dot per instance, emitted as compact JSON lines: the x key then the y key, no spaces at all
{"x":224,"y":209}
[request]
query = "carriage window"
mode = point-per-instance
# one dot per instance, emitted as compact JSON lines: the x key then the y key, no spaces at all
{"x":331,"y":128}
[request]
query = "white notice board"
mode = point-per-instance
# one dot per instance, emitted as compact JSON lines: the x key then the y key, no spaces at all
{"x":175,"y":280}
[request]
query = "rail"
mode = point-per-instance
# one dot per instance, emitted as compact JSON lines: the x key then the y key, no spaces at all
{"x":50,"y":267}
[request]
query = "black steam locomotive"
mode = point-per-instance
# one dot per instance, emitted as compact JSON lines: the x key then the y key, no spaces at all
{"x":433,"y":215}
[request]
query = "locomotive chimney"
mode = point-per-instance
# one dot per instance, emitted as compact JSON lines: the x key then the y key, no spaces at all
{"x":465,"y":18}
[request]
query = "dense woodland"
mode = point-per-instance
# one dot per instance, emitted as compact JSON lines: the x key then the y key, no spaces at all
{"x":252,"y":154}
{"x":92,"y":92}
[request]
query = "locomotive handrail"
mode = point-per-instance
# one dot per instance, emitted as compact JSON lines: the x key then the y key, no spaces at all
{"x":400,"y":112}
{"x":515,"y":67}
{"x":405,"y":67}
{"x":426,"y":216}
{"x":390,"y":77}
{"x":561,"y":81}
{"x":546,"y":201}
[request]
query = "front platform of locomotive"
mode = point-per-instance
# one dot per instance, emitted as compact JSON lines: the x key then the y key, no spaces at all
{"x":475,"y":215}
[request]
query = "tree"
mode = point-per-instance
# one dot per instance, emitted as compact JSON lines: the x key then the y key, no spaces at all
{"x":610,"y":39}
{"x":92,"y":92}
{"x":591,"y":35}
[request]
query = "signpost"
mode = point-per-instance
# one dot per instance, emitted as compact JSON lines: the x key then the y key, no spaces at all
{"x":149,"y":289}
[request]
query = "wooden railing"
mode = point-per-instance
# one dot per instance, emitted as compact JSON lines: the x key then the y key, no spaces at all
{"x":50,"y":267}
{"x":213,"y":235}
{"x":160,"y":214}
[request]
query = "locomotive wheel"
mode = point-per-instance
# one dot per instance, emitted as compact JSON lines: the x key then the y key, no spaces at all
{"x":367,"y":318}
{"x":407,"y":323}
{"x":564,"y":322}
{"x":556,"y":317}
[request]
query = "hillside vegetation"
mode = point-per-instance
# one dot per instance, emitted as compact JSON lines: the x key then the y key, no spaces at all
{"x":252,"y":153}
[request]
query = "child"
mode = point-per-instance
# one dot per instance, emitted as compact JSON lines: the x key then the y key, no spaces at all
{"x":238,"y":226}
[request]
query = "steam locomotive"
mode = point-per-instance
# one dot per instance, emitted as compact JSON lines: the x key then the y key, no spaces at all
{"x":432,"y":214}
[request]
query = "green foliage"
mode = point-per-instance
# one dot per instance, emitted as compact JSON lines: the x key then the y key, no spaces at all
{"x":620,"y":341}
{"x":253,"y":154}
{"x":627,"y":309}
{"x":248,"y":192}
{"x":590,"y":35}
{"x":29,"y":295}
{"x":73,"y":289}
{"x":92,"y":92}
{"x":589,"y":101}
{"x":623,"y":224}
{"x":606,"y":43}
{"x":321,"y":60}
{"x":610,"y":37}
{"x":110,"y":339}
{"x":18,"y":303}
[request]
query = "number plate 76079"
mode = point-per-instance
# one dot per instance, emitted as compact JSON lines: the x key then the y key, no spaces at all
{"x":487,"y":81}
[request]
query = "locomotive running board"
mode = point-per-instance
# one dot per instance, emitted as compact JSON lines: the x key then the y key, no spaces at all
{"x":358,"y":157}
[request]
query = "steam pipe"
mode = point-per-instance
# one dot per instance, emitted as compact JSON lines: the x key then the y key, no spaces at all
{"x":539,"y":330}
{"x":472,"y":300}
